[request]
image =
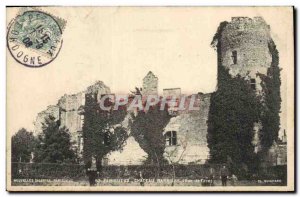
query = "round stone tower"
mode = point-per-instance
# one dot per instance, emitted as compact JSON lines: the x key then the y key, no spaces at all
{"x":244,"y":48}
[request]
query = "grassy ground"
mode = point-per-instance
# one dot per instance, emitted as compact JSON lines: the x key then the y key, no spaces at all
{"x":150,"y":182}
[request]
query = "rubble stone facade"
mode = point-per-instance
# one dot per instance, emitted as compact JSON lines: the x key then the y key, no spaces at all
{"x":244,"y":48}
{"x":70,"y":116}
{"x":69,"y":111}
{"x":278,"y":152}
{"x":190,"y":128}
{"x":150,"y":84}
{"x":52,"y":110}
{"x":172,"y":92}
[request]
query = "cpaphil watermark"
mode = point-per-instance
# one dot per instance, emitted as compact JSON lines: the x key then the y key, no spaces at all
{"x":138,"y":102}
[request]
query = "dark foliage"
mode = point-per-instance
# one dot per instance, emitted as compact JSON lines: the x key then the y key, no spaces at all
{"x":54,"y":144}
{"x":147,"y":129}
{"x":233,"y":112}
{"x":234,"y":108}
{"x":100,"y":133}
{"x":22,"y":144}
{"x":270,"y":118}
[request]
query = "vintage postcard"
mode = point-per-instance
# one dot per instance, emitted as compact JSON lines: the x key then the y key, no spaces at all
{"x":150,"y":99}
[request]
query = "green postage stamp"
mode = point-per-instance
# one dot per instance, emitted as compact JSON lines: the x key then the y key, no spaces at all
{"x":34,"y":38}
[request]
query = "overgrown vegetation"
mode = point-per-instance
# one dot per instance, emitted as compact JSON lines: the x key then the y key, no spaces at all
{"x":233,"y":112}
{"x":22,"y":145}
{"x":54,"y":144}
{"x":101,"y":133}
{"x":270,"y":117}
{"x":147,"y":129}
{"x":235,"y":108}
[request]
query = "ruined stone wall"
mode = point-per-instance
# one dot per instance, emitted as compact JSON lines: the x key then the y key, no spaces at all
{"x":277,"y":154}
{"x":70,"y":117}
{"x":100,"y":88}
{"x":52,"y":110}
{"x":150,"y":84}
{"x":191,"y":126}
{"x":191,"y":129}
{"x":68,"y":111}
{"x":249,"y":38}
{"x":172,"y":92}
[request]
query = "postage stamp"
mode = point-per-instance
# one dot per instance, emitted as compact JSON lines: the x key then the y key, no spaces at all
{"x":34,"y":37}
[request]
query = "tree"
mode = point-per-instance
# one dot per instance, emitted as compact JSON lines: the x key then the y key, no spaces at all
{"x":147,"y":129}
{"x":102,"y":132}
{"x":233,"y":111}
{"x":22,"y":145}
{"x":54,"y":143}
{"x":270,"y":118}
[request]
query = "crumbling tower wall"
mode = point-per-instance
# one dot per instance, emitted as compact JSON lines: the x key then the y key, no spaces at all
{"x":244,"y":48}
{"x":150,"y":84}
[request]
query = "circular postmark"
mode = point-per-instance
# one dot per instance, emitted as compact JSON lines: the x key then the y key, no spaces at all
{"x":34,"y":38}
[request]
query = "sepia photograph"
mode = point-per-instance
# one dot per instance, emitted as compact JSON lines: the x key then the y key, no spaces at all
{"x":150,"y":99}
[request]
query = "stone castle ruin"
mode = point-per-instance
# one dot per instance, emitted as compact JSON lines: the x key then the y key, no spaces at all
{"x":243,"y":50}
{"x":186,"y":132}
{"x":69,"y":111}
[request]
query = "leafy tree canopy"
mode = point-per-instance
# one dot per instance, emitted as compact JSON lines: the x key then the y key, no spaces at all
{"x":270,"y":117}
{"x":54,"y":143}
{"x":102,"y":131}
{"x":22,"y":145}
{"x":233,"y":111}
{"x":147,"y":129}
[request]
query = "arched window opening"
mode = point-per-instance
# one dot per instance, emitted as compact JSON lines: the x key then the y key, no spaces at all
{"x":234,"y":57}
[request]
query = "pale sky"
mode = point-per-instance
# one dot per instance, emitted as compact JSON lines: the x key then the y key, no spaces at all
{"x":120,"y":45}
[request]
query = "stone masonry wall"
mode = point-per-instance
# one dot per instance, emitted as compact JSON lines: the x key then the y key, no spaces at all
{"x":52,"y":110}
{"x":191,"y":129}
{"x":69,"y":116}
{"x":190,"y":126}
{"x":249,"y":38}
{"x":68,"y":111}
{"x":150,"y":84}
